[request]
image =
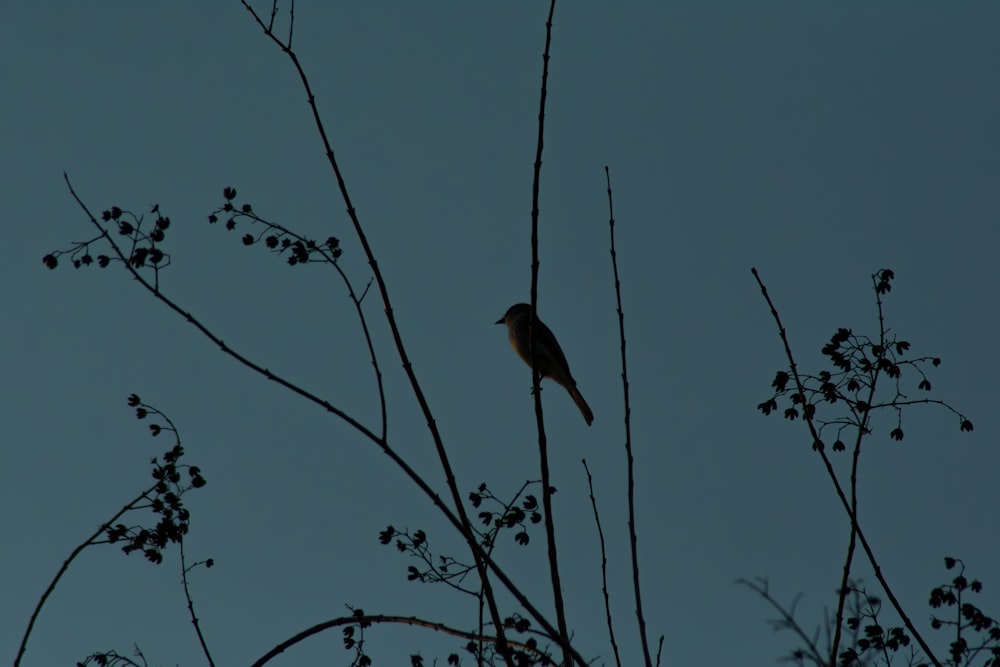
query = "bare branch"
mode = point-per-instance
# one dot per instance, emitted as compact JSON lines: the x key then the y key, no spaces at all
{"x":604,"y":566}
{"x":633,"y":537}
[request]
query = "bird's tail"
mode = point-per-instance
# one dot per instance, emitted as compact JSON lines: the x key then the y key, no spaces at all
{"x":588,"y":416}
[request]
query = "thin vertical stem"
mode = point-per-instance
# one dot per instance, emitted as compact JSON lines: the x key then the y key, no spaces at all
{"x":633,"y":540}
{"x":604,"y":567}
{"x":543,"y":452}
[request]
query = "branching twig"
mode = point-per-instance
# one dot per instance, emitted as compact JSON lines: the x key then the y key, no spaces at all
{"x":330,"y":253}
{"x":463,"y":524}
{"x":862,"y":428}
{"x":190,"y":604}
{"x":787,"y":619}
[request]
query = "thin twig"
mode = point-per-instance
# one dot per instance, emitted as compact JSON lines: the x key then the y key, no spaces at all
{"x":190,"y":604}
{"x":787,"y":617}
{"x":862,"y":428}
{"x":836,"y":482}
{"x":874,"y":607}
{"x":274,"y":12}
{"x":633,"y":538}
{"x":490,"y":539}
{"x":604,"y":566}
{"x":543,"y":452}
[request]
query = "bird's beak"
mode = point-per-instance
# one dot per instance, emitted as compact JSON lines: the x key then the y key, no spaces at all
{"x":502,"y":320}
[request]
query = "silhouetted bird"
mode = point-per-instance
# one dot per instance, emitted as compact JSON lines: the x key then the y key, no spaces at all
{"x":549,"y":357}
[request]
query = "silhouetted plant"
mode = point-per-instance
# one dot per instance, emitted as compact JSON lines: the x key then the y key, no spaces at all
{"x":858,"y":362}
{"x":114,"y":659}
{"x":850,"y":393}
{"x":164,"y":500}
{"x":878,"y":641}
{"x":354,"y":639}
{"x":298,"y":249}
{"x":514,"y":514}
{"x":830,"y":402}
{"x":496,"y":515}
{"x":870,"y":642}
{"x":975,"y":632}
{"x":276,"y":237}
{"x":141,"y":247}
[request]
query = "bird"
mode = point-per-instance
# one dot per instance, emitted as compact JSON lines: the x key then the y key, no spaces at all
{"x":549,"y":356}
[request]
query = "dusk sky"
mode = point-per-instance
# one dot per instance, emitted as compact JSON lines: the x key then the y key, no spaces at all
{"x":816,"y":141}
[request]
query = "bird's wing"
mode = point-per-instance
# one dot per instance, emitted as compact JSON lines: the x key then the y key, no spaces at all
{"x":557,"y":351}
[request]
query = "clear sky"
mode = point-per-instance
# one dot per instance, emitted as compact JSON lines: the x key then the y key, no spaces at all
{"x":816,"y":141}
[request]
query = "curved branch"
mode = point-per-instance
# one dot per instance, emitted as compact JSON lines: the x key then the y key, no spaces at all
{"x":65,"y":566}
{"x":403,"y":620}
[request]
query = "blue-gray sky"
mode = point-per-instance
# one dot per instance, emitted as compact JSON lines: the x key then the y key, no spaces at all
{"x":816,"y":141}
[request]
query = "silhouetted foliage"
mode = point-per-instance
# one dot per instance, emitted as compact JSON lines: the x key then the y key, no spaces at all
{"x":276,"y":237}
{"x":968,"y":619}
{"x":515,"y":515}
{"x":114,"y":659}
{"x":144,"y":249}
{"x":172,"y":521}
{"x":858,"y":363}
